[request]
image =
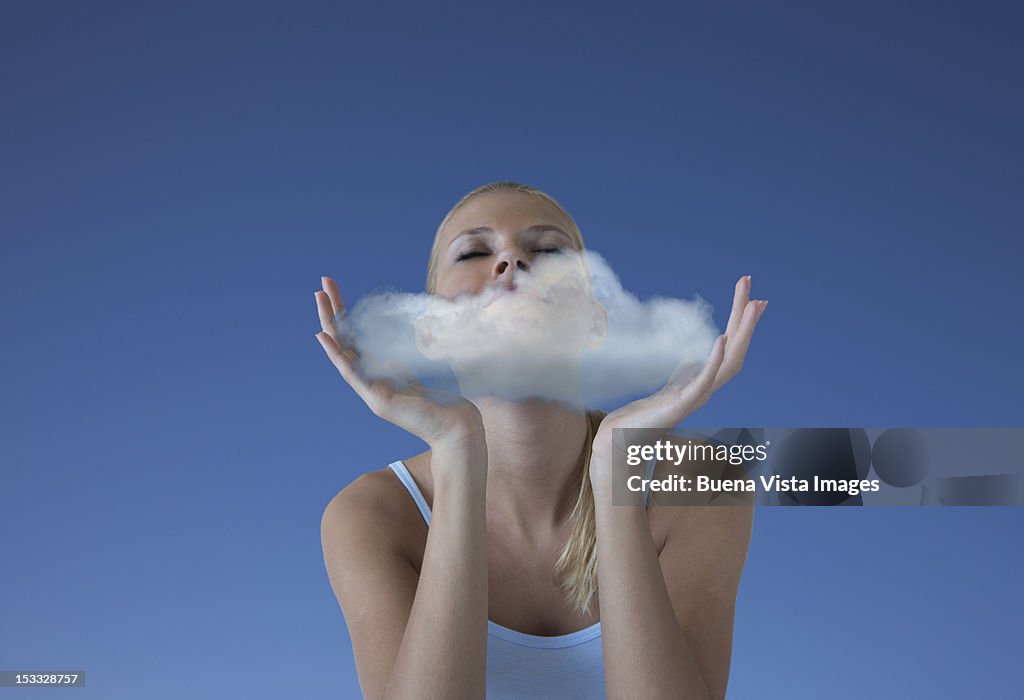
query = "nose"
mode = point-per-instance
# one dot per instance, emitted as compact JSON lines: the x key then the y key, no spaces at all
{"x":509,"y":262}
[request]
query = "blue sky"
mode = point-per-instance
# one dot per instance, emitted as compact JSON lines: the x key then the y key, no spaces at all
{"x":177,"y":176}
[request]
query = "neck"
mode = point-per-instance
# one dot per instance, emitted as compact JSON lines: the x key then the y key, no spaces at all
{"x":535,"y":457}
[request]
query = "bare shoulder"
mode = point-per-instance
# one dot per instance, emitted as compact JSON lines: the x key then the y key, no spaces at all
{"x":369,"y":533}
{"x":374,"y":510}
{"x":369,"y":495}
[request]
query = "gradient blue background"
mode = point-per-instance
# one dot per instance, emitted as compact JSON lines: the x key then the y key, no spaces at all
{"x":177,"y":176}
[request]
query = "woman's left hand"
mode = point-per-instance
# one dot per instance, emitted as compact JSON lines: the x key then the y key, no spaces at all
{"x":690,"y":386}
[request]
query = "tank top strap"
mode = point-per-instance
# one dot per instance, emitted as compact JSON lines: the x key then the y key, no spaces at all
{"x":400,"y":470}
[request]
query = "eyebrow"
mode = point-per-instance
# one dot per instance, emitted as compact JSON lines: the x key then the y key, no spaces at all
{"x":536,"y":228}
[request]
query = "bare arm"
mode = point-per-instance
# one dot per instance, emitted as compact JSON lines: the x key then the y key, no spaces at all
{"x":416,"y":636}
{"x":667,"y":622}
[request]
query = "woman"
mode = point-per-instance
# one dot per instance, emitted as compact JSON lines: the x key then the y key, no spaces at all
{"x":509,"y":573}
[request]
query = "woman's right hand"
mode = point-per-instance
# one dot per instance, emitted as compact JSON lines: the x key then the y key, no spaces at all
{"x":405,"y":402}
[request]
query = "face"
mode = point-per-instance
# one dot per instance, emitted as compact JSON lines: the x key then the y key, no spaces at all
{"x":494,"y":240}
{"x":517,"y":280}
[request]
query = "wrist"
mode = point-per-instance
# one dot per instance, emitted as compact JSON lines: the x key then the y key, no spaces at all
{"x":464,"y":438}
{"x":463,"y":429}
{"x":459,"y":468}
{"x":460,"y":453}
{"x":610,"y":480}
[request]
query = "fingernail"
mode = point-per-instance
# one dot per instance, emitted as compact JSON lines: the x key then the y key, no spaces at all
{"x":748,"y":279}
{"x":764,"y":305}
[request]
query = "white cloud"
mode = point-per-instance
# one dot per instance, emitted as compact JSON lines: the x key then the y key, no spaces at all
{"x":546,"y":339}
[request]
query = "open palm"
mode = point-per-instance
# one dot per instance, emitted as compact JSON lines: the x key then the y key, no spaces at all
{"x":690,"y":385}
{"x":403,"y":401}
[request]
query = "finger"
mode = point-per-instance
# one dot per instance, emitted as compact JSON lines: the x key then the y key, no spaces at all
{"x":706,"y":379}
{"x":739,"y":304}
{"x":326,"y":312}
{"x":327,"y":323}
{"x":333,"y":294}
{"x":739,"y":343}
{"x":346,"y":365}
{"x":339,"y":313}
{"x":337,"y":356}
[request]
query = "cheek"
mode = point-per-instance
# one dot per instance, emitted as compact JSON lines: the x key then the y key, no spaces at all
{"x":567,"y":282}
{"x":553,"y":269}
{"x":460,"y":279}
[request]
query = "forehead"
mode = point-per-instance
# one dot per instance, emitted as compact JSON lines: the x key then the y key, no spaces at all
{"x":507,"y":211}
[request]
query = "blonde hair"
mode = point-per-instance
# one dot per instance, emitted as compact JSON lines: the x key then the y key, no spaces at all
{"x":575,"y":572}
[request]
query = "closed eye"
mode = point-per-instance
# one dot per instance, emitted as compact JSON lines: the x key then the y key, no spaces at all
{"x":479,"y":253}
